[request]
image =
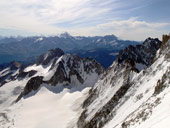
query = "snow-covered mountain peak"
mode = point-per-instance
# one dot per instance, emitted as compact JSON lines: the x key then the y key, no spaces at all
{"x":149,"y":42}
{"x":142,"y":54}
{"x":110,"y":37}
{"x":74,"y":70}
{"x":65,"y":35}
{"x":51,"y":54}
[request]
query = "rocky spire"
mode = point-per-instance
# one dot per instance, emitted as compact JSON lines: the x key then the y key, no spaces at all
{"x":47,"y":57}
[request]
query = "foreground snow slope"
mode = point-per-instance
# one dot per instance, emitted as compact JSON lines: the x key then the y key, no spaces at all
{"x":124,"y":98}
{"x":49,"y":107}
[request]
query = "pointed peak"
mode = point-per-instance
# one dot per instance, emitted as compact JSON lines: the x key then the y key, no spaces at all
{"x":110,"y":37}
{"x":149,"y":41}
{"x":65,"y":35}
{"x":51,"y":54}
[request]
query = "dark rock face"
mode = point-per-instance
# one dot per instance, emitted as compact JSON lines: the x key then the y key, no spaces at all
{"x":59,"y":76}
{"x":33,"y":84}
{"x":23,"y":74}
{"x":72,"y":66}
{"x":94,"y":65}
{"x":7,"y":72}
{"x":46,"y":58}
{"x":165,"y":38}
{"x":143,"y":53}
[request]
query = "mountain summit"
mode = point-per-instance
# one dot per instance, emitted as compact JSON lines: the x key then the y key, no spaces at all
{"x":47,"y":57}
{"x":65,"y":35}
{"x":142,"y":54}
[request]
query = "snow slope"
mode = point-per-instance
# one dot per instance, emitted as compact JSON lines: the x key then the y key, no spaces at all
{"x":142,"y":108}
{"x":46,"y":108}
{"x":124,"y":98}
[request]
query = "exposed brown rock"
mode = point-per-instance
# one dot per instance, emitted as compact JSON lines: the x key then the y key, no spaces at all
{"x":165,"y":38}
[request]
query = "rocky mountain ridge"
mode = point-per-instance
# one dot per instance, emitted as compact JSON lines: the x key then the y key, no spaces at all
{"x":142,"y":54}
{"x":125,"y":97}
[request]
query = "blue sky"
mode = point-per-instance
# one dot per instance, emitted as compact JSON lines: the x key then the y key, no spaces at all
{"x":127,"y":19}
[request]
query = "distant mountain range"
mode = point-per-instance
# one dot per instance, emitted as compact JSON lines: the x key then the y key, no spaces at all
{"x":104,"y":49}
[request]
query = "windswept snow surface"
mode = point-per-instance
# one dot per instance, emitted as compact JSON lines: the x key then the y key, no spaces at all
{"x":52,"y":107}
{"x":9,"y":92}
{"x":141,"y":107}
{"x":141,"y":99}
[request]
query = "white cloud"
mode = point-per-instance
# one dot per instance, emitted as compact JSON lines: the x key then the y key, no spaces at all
{"x":131,"y":29}
{"x":39,"y":16}
{"x":51,"y":11}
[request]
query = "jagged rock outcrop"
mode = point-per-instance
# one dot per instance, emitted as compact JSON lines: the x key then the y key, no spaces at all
{"x":122,"y":96}
{"x":116,"y":82}
{"x":142,"y":54}
{"x":47,"y":57}
{"x":165,"y":38}
{"x":74,"y":70}
{"x":32,"y":85}
{"x":9,"y":73}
